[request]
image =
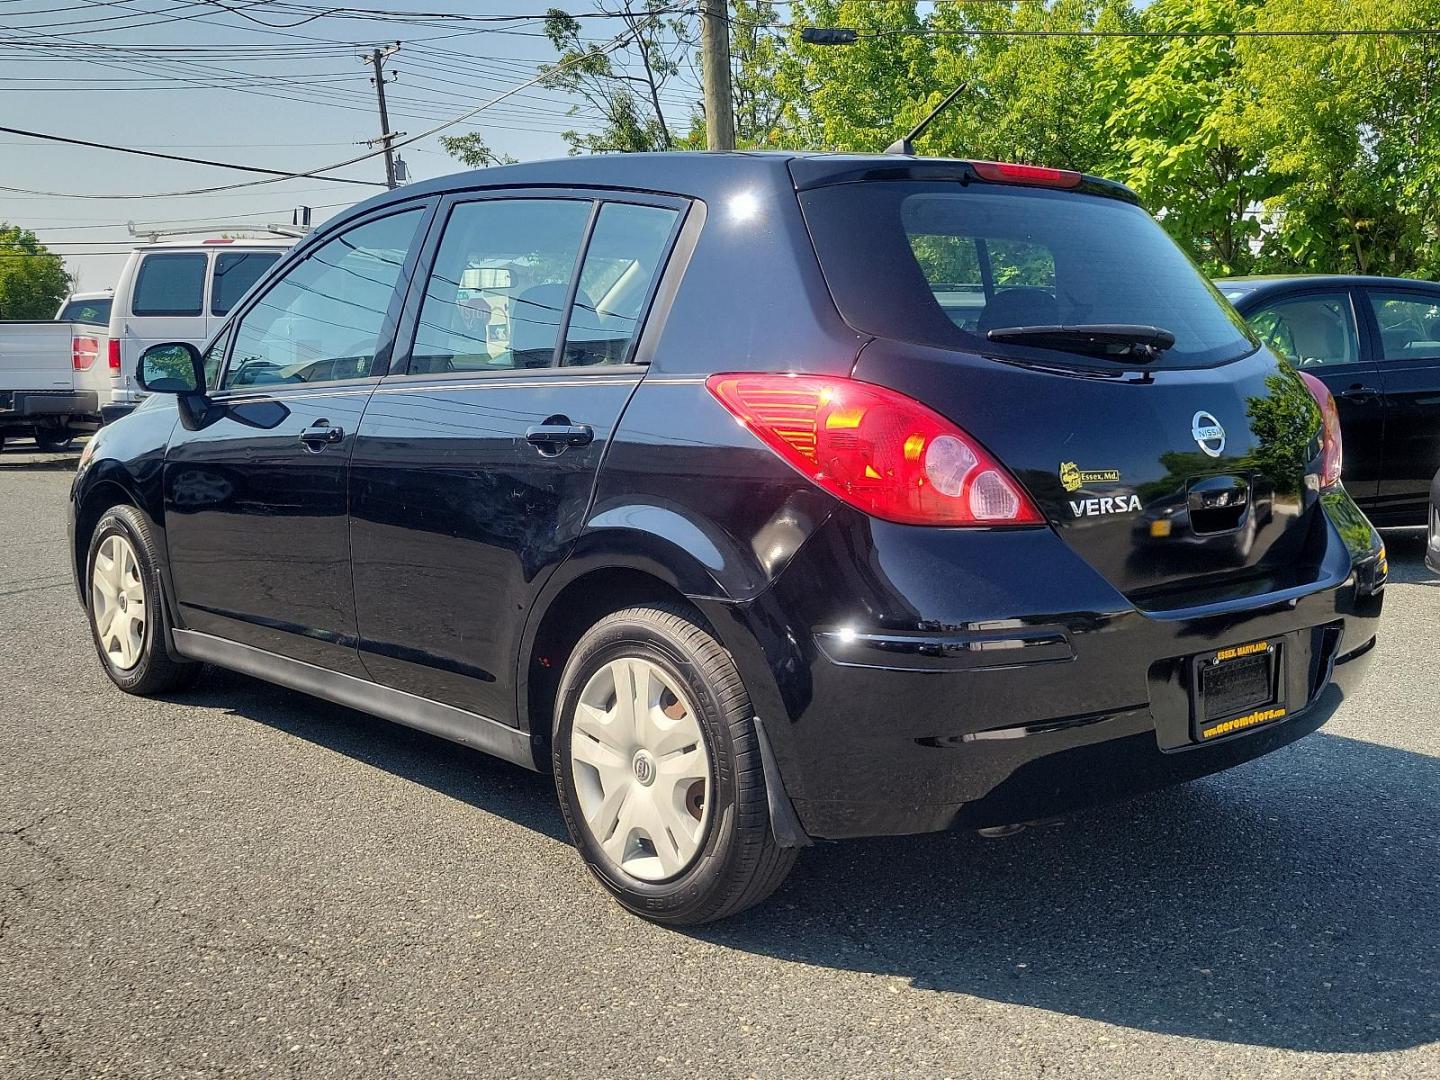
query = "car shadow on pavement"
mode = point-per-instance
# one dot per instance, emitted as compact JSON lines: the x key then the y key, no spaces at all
{"x":1406,"y":551}
{"x":1293,"y":903}
{"x":485,"y":782}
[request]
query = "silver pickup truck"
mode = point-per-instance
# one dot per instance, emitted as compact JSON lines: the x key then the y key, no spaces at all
{"x":53,"y":378}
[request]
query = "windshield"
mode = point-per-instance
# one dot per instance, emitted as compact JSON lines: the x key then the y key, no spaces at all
{"x":87,"y":311}
{"x":943,"y":264}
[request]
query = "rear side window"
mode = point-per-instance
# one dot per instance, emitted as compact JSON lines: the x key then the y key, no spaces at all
{"x":942,"y":263}
{"x":496,"y":297}
{"x":235,"y":272}
{"x":170,"y":285}
{"x":1409,"y":325}
{"x":87,"y":311}
{"x":621,"y":264}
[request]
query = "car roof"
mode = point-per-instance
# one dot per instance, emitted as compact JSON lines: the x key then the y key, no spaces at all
{"x":1256,"y":286}
{"x":218,"y":242}
{"x":703,"y":175}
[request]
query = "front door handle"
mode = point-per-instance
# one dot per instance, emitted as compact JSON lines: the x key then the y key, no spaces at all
{"x":553,"y":438}
{"x":1359,"y":394}
{"x":320,"y":435}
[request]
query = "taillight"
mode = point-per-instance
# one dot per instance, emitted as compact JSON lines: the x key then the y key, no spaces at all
{"x":1331,"y":447}
{"x":1003,"y":172}
{"x":876,"y":449}
{"x":114,"y":354}
{"x":83,"y":351}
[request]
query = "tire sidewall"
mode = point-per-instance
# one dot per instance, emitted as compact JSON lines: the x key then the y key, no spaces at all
{"x":694,"y":886}
{"x":117,"y":522}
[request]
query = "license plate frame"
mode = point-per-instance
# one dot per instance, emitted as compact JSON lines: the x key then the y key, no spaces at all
{"x":1238,"y":688}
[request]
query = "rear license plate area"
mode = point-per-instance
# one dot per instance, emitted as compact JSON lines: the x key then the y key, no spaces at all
{"x":1236,"y":689}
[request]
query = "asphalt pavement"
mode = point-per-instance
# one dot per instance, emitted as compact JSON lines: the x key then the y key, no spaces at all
{"x":242,"y":881}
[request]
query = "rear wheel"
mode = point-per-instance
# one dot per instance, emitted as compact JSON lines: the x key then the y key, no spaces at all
{"x":126,"y":607}
{"x":658,"y":769}
{"x":52,"y":440}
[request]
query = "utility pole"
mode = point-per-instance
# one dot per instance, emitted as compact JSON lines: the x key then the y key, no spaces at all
{"x":376,"y":59}
{"x":715,"y":61}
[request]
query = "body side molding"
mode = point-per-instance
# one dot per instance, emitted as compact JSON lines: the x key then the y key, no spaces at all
{"x":457,"y":725}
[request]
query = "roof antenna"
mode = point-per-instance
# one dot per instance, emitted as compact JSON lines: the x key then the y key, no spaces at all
{"x":905,"y":145}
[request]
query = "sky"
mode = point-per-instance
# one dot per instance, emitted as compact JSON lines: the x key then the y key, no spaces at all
{"x":280,"y":96}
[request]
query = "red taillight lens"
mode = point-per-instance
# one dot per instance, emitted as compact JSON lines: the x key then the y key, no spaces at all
{"x":114,"y":354}
{"x":83,"y":351}
{"x":1331,"y":447}
{"x":878,"y":450}
{"x":1003,"y":172}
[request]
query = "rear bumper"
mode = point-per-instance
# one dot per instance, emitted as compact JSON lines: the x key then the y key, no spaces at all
{"x":25,"y":406}
{"x":925,"y":691}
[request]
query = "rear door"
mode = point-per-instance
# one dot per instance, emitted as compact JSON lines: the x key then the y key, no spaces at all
{"x":1318,"y":331}
{"x":1405,"y":322}
{"x":477,"y":457}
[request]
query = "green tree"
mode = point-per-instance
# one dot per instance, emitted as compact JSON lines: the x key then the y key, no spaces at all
{"x":1285,"y":422}
{"x":472,"y":150}
{"x":33,"y":280}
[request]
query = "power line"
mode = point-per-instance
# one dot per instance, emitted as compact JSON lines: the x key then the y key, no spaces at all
{"x":178,"y":157}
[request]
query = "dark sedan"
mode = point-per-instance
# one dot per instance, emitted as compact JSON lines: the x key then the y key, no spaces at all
{"x":1375,"y":342}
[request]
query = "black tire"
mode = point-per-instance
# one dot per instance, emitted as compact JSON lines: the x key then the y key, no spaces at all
{"x":738,"y":863}
{"x":155,"y":671}
{"x":53,"y":440}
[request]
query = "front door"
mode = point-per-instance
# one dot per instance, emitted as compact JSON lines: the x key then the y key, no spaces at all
{"x":1318,"y":332}
{"x":477,"y":458}
{"x":1407,"y":331}
{"x":255,"y":501}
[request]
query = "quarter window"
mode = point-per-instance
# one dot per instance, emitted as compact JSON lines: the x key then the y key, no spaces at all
{"x":235,"y":272}
{"x":1409,"y":325}
{"x":1310,"y":331}
{"x":172,"y":285}
{"x":322,"y":320}
{"x":621,"y":263}
{"x":496,"y":297}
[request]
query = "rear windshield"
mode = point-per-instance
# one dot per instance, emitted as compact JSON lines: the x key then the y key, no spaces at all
{"x":942,"y":263}
{"x":87,"y":311}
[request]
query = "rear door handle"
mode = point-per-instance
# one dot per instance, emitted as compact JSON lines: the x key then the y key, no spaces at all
{"x":1359,"y":394}
{"x":556,"y":437}
{"x":320,"y":435}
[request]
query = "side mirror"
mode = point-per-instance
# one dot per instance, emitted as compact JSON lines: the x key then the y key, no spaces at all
{"x":172,"y":368}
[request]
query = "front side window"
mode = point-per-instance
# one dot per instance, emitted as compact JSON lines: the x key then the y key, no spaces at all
{"x":1409,"y":325}
{"x":323,"y":319}
{"x":1310,"y":331}
{"x":496,"y":298}
{"x":172,"y":285}
{"x":621,"y":263}
{"x":235,"y":272}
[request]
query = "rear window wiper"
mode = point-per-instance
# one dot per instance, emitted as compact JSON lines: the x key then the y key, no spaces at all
{"x":1120,"y":341}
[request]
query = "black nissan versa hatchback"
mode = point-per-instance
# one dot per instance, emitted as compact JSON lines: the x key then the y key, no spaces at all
{"x":760,"y":497}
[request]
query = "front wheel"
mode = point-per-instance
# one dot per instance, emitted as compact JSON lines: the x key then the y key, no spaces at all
{"x":127,"y":610}
{"x":658,"y":768}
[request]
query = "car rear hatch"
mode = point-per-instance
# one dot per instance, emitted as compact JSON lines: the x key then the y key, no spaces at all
{"x":1178,"y":470}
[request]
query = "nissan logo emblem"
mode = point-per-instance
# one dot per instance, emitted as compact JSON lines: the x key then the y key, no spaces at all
{"x":1208,"y":433}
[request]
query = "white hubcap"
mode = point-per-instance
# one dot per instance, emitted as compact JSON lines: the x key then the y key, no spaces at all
{"x":117,"y":601}
{"x":641,"y":770}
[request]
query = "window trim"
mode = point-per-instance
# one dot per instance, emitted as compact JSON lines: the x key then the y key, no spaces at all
{"x":1365,"y":350}
{"x":203,"y":256}
{"x":301,"y":254}
{"x":1373,"y":321}
{"x":599,"y":197}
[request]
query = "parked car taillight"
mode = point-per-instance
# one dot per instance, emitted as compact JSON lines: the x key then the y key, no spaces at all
{"x":114,"y":354}
{"x":1331,"y":447}
{"x":876,"y":449}
{"x":83,"y":351}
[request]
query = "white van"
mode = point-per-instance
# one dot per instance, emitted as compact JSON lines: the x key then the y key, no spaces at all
{"x":177,"y":290}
